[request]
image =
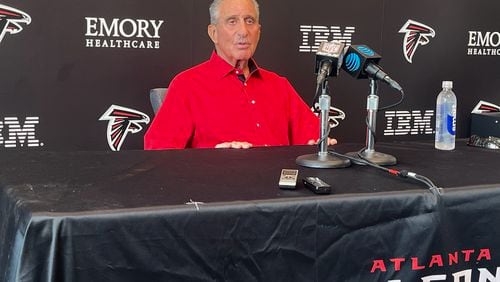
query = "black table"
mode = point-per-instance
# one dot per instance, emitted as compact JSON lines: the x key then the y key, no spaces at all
{"x":218,"y":215}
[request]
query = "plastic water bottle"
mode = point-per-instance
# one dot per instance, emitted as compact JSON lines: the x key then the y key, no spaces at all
{"x":446,"y":116}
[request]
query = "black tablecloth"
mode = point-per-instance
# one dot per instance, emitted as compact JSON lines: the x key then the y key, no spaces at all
{"x":218,"y":215}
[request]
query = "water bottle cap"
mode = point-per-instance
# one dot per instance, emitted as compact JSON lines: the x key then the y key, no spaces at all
{"x":447,"y":84}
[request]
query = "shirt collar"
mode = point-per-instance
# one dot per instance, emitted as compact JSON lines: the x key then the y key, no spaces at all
{"x":222,"y":68}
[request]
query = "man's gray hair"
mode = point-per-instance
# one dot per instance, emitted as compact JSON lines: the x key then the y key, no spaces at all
{"x":214,"y":10}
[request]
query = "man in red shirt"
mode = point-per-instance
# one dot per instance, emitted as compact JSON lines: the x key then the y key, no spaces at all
{"x":229,"y":101}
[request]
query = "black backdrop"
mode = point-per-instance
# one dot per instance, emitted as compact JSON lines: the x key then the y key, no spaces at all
{"x":54,"y":88}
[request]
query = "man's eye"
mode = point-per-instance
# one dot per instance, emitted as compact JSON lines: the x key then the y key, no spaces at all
{"x":250,"y":21}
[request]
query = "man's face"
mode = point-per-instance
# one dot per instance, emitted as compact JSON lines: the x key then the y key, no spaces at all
{"x":237,"y":31}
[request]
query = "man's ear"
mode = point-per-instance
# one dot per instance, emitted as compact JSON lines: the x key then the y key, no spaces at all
{"x":212,"y":33}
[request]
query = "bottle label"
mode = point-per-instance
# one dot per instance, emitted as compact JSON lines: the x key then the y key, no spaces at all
{"x":451,"y":121}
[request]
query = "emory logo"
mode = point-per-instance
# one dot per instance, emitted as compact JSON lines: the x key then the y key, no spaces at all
{"x":416,"y":34}
{"x":122,"y":33}
{"x":122,"y":121}
{"x":483,"y":43}
{"x":322,"y":33}
{"x":11,"y":20}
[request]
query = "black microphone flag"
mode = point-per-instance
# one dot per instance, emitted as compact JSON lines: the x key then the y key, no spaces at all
{"x":360,"y":61}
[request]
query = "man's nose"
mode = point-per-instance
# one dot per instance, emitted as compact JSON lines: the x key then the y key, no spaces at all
{"x":242,"y":28}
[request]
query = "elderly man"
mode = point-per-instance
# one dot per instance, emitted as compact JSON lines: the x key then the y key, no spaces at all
{"x":229,"y":101}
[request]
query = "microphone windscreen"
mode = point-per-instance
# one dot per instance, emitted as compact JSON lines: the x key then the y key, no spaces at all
{"x":331,"y":51}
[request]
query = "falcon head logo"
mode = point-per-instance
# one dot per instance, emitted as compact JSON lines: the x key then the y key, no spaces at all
{"x":11,"y":20}
{"x":486,"y":107}
{"x":335,"y":115}
{"x":122,"y":121}
{"x":416,"y":34}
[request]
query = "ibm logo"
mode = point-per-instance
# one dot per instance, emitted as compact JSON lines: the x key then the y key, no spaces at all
{"x":19,"y":135}
{"x":313,"y":35}
{"x":408,"y":123}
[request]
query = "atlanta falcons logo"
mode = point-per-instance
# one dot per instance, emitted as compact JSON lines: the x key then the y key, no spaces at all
{"x":11,"y":20}
{"x":122,"y":121}
{"x":335,"y":115}
{"x":416,"y":34}
{"x":486,"y":107}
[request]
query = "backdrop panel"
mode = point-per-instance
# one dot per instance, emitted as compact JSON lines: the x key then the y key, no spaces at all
{"x":67,"y":76}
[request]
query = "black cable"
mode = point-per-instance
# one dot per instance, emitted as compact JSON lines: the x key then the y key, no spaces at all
{"x":315,"y":96}
{"x":324,"y":92}
{"x":402,"y":173}
{"x":325,"y":137}
{"x":371,"y":131}
{"x":395,"y":104}
{"x":421,"y":178}
{"x":362,"y":161}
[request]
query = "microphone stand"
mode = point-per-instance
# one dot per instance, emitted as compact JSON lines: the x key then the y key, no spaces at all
{"x":323,"y":159}
{"x":369,"y":153}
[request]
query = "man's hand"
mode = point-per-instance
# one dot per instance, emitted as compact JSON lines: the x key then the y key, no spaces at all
{"x":331,"y":141}
{"x":234,"y":145}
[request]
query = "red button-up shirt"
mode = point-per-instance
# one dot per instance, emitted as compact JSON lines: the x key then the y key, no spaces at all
{"x":208,"y":105}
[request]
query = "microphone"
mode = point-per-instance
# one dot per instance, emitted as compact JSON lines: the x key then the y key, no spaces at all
{"x":328,"y":59}
{"x":360,"y":61}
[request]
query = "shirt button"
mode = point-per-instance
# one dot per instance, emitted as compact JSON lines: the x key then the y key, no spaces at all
{"x":253,"y":102}
{"x":258,"y":124}
{"x":245,"y":84}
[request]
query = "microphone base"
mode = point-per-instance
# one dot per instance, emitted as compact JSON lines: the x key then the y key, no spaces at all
{"x":374,"y":157}
{"x":322,"y":160}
